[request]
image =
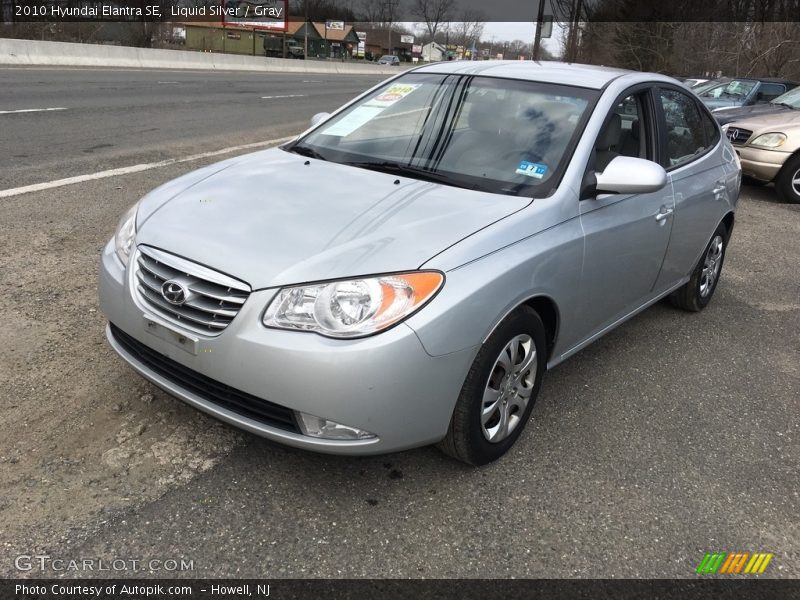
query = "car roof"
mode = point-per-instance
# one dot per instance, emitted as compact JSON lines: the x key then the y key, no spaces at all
{"x":588,"y":76}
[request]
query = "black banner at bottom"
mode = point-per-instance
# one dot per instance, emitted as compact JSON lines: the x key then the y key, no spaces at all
{"x":364,"y":589}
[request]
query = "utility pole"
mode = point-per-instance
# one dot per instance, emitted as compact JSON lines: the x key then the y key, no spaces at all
{"x":305,"y":33}
{"x":537,"y":40}
{"x":390,"y":4}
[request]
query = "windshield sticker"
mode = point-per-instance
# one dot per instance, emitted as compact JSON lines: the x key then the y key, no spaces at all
{"x":352,"y":121}
{"x":369,"y":110}
{"x":531,"y":169}
{"x":394,"y":93}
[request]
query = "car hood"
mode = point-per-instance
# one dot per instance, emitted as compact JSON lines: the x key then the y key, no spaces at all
{"x":737,"y":113}
{"x":274,"y":218}
{"x":783,"y":121}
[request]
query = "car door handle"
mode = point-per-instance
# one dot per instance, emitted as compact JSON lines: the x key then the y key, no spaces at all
{"x":663,"y":214}
{"x":717,"y":191}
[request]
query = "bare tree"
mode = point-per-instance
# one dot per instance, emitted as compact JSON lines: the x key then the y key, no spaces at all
{"x":432,"y":13}
{"x":375,"y":12}
{"x":468,"y":29}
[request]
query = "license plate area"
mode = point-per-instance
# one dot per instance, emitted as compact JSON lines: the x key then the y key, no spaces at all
{"x":176,"y":338}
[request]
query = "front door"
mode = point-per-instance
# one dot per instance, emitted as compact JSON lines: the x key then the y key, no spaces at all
{"x":626,"y":235}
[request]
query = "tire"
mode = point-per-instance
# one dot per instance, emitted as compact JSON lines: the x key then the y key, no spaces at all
{"x":787,"y":183}
{"x":468,"y":436}
{"x":696,"y":293}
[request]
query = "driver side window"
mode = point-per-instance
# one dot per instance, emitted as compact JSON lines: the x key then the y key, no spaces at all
{"x":623,"y":134}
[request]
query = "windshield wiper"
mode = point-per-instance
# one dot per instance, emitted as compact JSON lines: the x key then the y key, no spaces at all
{"x":786,"y":105}
{"x":394,"y":168}
{"x":306,"y":151}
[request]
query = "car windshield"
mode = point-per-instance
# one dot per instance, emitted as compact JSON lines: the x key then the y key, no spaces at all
{"x":498,"y":135}
{"x":738,"y":88}
{"x":702,"y":87}
{"x":790,"y":98}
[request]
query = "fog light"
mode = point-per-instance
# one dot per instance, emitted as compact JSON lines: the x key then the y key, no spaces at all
{"x":330,"y":430}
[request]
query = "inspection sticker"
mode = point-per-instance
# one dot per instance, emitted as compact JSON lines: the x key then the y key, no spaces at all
{"x":531,"y":169}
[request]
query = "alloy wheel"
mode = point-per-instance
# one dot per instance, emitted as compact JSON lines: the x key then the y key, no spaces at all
{"x":796,"y":182}
{"x":509,"y":388}
{"x":711,"y":266}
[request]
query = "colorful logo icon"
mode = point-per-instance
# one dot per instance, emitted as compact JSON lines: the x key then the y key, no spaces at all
{"x":733,"y":563}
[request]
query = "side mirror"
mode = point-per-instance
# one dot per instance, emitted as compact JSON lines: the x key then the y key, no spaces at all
{"x":319,"y":118}
{"x":628,"y":175}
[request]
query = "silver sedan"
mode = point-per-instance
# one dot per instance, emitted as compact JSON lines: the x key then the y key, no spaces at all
{"x":404,"y":272}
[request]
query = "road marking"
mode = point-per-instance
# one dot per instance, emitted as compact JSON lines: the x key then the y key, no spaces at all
{"x":28,"y":110}
{"x":38,"y":187}
{"x":162,"y":82}
{"x":286,"y":96}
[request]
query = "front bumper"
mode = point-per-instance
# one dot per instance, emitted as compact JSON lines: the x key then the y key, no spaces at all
{"x":385,"y":384}
{"x":759,"y":163}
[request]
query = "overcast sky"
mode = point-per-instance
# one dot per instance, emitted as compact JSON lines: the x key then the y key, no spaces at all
{"x":507,"y":32}
{"x":521,"y":31}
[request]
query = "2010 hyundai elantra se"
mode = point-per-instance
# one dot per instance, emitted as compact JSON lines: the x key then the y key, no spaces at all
{"x":404,"y":272}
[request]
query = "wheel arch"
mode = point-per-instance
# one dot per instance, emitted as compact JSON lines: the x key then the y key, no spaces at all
{"x":789,"y":158}
{"x":728,"y":220}
{"x":547,"y":309}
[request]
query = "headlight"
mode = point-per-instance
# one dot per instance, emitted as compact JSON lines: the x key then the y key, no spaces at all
{"x":126,"y":232}
{"x":769,"y":140}
{"x":352,"y":308}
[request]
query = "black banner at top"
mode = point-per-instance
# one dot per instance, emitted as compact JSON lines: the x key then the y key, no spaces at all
{"x":274,"y":12}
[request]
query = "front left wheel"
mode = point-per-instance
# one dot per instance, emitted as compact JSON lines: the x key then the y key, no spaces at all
{"x":499,"y":392}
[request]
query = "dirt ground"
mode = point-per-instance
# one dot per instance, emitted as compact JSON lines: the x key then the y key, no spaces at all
{"x":82,"y":436}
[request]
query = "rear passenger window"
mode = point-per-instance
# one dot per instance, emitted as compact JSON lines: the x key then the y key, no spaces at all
{"x":685,"y":128}
{"x":712,"y":131}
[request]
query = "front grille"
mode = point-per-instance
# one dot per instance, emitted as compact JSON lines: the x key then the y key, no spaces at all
{"x":209,"y":389}
{"x":738,"y":136}
{"x":213,"y":300}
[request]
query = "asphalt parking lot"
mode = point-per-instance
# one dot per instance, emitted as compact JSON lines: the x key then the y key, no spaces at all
{"x":675,"y":435}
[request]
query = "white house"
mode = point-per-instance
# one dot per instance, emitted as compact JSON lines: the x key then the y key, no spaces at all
{"x":433,"y":52}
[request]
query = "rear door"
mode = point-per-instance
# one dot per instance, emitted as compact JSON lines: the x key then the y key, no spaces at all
{"x":691,"y":152}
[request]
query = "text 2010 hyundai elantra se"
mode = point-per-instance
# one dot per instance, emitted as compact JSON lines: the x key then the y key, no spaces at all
{"x":404,"y":272}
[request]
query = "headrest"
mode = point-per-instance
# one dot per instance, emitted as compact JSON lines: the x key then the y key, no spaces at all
{"x":635,"y":129}
{"x":609,"y":136}
{"x":483,"y":114}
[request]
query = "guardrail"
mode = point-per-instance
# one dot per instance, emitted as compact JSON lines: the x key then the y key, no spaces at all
{"x":37,"y":53}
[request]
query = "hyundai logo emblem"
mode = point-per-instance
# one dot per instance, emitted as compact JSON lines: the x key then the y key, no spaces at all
{"x":174,"y":292}
{"x":733,"y":134}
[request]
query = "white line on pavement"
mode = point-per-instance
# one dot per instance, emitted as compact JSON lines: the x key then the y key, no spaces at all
{"x":37,"y":187}
{"x":28,"y":110}
{"x":286,"y":96}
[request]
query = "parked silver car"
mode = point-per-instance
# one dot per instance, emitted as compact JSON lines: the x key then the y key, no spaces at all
{"x":404,"y":272}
